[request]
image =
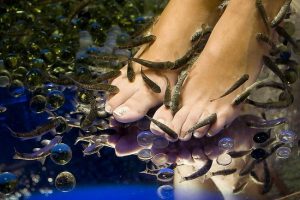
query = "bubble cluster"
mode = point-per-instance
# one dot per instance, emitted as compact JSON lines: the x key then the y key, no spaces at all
{"x":160,"y":159}
{"x":145,"y":138}
{"x":144,"y":154}
{"x":8,"y":183}
{"x":165,"y":175}
{"x":283,"y":152}
{"x":287,"y":136}
{"x":226,"y":143}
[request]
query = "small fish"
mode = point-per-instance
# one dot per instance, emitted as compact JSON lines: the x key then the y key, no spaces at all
{"x":238,"y":154}
{"x":168,"y":94}
{"x":224,"y":172}
{"x":271,"y":152}
{"x":97,"y":87}
{"x":267,"y":179}
{"x":263,"y":13}
{"x":175,"y":98}
{"x":201,"y":172}
{"x":93,"y":149}
{"x":281,"y":14}
{"x":138,"y":42}
{"x":274,"y":68}
{"x":266,"y":124}
{"x":164,"y":128}
{"x":255,"y":179}
{"x":257,"y":85}
{"x":39,"y":154}
{"x":248,"y":167}
{"x":239,"y":187}
{"x":39,"y":131}
{"x":82,"y":138}
{"x":130,"y":71}
{"x":89,"y":119}
{"x":264,"y":38}
{"x":154,"y":65}
{"x":108,"y":75}
{"x":208,"y":120}
{"x":235,"y":86}
{"x":282,"y":32}
{"x":152,"y":85}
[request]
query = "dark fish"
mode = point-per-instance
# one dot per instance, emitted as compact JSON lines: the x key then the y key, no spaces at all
{"x":281,"y":14}
{"x":89,"y":119}
{"x":266,"y":124}
{"x":108,"y":75}
{"x":168,"y":94}
{"x":263,"y":13}
{"x":282,"y":32}
{"x":255,"y":178}
{"x":154,"y":65}
{"x":248,"y":167}
{"x":274,"y":68}
{"x":264,"y":38}
{"x":175,"y":99}
{"x":224,"y":172}
{"x":271,"y":105}
{"x":130,"y":71}
{"x":270,"y":153}
{"x":209,"y":120}
{"x":239,"y":187}
{"x":267,"y":179}
{"x":164,"y":128}
{"x":138,"y":42}
{"x":235,"y":86}
{"x":196,"y":48}
{"x":39,"y":131}
{"x":201,"y":172}
{"x":97,"y":87}
{"x":83,"y":138}
{"x":40,"y":154}
{"x":152,"y":85}
{"x":238,"y":154}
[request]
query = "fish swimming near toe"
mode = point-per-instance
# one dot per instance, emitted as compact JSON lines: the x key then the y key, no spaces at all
{"x":168,"y":94}
{"x":39,"y":131}
{"x":200,"y":172}
{"x":164,"y":128}
{"x":264,"y":38}
{"x":175,"y":98}
{"x":151,"y":84}
{"x":224,"y":172}
{"x":130,"y":71}
{"x":282,"y":32}
{"x":281,"y":14}
{"x":164,"y":65}
{"x":207,"y":121}
{"x":263,"y":13}
{"x":274,"y":68}
{"x":235,"y":86}
{"x":138,"y":42}
{"x":239,"y":187}
{"x":238,"y":154}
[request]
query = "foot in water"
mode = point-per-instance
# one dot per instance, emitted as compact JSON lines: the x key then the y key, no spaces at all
{"x":173,"y":32}
{"x":231,"y":52}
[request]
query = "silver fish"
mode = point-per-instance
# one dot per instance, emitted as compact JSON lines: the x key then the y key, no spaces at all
{"x":138,"y":42}
{"x":164,"y":128}
{"x":281,"y":14}
{"x":177,"y":90}
{"x":200,"y":172}
{"x":263,"y":13}
{"x":151,"y":84}
{"x":208,"y":120}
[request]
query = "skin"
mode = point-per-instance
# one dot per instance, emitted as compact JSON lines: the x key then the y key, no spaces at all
{"x":173,"y":33}
{"x":217,"y":66}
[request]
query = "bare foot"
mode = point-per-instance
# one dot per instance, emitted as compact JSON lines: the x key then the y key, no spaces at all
{"x":232,"y":51}
{"x":173,"y":32}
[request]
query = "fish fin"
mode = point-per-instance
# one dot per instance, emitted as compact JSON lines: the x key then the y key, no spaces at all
{"x":42,"y":160}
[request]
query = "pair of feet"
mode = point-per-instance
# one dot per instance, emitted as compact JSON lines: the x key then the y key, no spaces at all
{"x":231,"y":51}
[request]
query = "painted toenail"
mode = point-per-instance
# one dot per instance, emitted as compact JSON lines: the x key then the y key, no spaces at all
{"x":108,"y":108}
{"x":121,"y":111}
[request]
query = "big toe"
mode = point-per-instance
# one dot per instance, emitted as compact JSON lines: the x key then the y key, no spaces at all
{"x":135,"y":107}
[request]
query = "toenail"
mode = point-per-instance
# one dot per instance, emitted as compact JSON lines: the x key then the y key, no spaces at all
{"x":121,"y":111}
{"x":209,"y":134}
{"x":187,"y":137}
{"x":108,"y":108}
{"x":197,"y":134}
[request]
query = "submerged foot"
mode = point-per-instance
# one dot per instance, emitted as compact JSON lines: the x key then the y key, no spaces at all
{"x":173,"y":31}
{"x":231,"y":52}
